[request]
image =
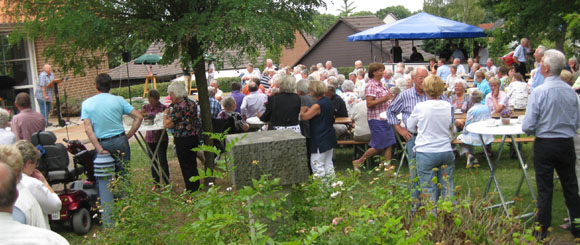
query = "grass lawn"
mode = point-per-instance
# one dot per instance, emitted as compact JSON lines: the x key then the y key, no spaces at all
{"x":473,"y":180}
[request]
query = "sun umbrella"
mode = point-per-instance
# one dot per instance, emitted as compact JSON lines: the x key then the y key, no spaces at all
{"x":148,"y":59}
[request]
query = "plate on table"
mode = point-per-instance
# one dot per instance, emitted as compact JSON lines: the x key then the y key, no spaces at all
{"x":458,"y":111}
{"x":254,"y":120}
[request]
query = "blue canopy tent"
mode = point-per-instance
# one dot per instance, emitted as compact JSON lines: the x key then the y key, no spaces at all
{"x":417,"y":27}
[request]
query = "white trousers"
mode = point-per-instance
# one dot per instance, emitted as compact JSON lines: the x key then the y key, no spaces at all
{"x":321,"y":164}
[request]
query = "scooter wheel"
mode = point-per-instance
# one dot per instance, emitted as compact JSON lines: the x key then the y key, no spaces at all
{"x":81,"y":221}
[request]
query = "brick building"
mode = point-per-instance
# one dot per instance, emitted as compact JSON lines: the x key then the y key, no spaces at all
{"x":21,"y":63}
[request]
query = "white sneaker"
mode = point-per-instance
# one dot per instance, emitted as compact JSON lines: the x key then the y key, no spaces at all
{"x":470,"y":160}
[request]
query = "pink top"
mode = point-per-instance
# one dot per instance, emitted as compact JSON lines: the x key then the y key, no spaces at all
{"x":27,"y":122}
{"x":376,"y":89}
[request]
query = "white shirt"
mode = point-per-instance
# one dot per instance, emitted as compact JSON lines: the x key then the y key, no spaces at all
{"x":359,"y":117}
{"x":253,"y":103}
{"x":16,"y":233}
{"x":460,"y":69}
{"x":432,"y":120}
{"x":483,"y":55}
{"x":451,"y":80}
{"x":29,"y":206}
{"x":7,"y":137}
{"x":49,"y":202}
{"x":518,"y":93}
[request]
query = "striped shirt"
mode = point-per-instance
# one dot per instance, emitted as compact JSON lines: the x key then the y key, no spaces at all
{"x":405,"y":103}
{"x":264,"y":81}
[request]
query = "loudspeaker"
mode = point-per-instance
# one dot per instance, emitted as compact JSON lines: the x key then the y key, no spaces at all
{"x":126,"y":56}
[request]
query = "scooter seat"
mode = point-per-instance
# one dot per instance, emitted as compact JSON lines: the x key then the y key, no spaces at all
{"x":59,"y":176}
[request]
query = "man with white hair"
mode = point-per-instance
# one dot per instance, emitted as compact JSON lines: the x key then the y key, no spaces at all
{"x":330,"y":68}
{"x":358,"y":65}
{"x":269,"y":64}
{"x":6,"y":136}
{"x":218,"y":93}
{"x":248,"y":73}
{"x":387,"y":78}
{"x":538,"y":78}
{"x":253,"y":104}
{"x":520,"y":56}
{"x":553,"y":116}
{"x":460,"y":68}
{"x":490,"y":66}
{"x":43,"y":93}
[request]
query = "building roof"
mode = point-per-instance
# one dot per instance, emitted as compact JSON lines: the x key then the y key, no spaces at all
{"x":361,"y":23}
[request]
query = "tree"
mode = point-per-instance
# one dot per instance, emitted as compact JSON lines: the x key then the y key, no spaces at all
{"x":321,"y":23}
{"x":466,"y":11}
{"x":399,"y":11}
{"x":85,"y":30}
{"x":347,"y":9}
{"x":362,"y":13}
{"x":537,"y":20}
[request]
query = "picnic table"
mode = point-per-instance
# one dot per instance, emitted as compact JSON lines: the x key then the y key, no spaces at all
{"x":152,"y":154}
{"x":343,"y":120}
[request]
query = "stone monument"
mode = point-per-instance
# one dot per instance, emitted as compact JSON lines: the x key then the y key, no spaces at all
{"x":280,"y":153}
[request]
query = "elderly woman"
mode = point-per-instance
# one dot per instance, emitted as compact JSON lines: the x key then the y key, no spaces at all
{"x":26,"y":209}
{"x":182,"y":118}
{"x":229,"y":104}
{"x":34,"y":181}
{"x":322,"y":135}
{"x":452,"y":78}
{"x":6,"y":136}
{"x":497,"y":99}
{"x":432,"y":121}
{"x":153,"y":138}
{"x":518,"y":92}
{"x":459,"y":99}
{"x":359,"y":86}
{"x":572,"y":65}
{"x":378,"y":100}
{"x":283,"y":109}
{"x":482,"y":84}
{"x":478,"y":112}
{"x":348,"y":95}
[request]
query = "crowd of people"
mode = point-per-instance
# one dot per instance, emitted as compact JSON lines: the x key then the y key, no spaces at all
{"x":418,"y":103}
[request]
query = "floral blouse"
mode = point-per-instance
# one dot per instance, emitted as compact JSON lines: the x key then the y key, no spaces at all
{"x":184,"y":117}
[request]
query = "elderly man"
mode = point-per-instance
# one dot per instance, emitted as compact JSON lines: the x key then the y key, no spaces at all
{"x":102,"y":116}
{"x":404,"y":104}
{"x":387,"y":78}
{"x":469,"y":64}
{"x":330,"y":68}
{"x":253,"y":104}
{"x":248,"y":73}
{"x":460,"y":68}
{"x":43,"y":93}
{"x":214,"y":105}
{"x":12,"y":231}
{"x":490,"y":66}
{"x":218,"y":93}
{"x":538,"y":78}
{"x":27,"y":122}
{"x":269,"y":65}
{"x":520,"y":56}
{"x":443,"y":70}
{"x":553,"y":116}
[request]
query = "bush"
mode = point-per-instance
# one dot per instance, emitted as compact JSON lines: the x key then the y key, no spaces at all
{"x":225,"y":83}
{"x":137,"y":90}
{"x":374,"y":207}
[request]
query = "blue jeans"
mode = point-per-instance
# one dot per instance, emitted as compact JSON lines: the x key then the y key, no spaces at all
{"x":426,"y":162}
{"x":120,"y":150}
{"x":44,"y":108}
{"x":413,"y":168}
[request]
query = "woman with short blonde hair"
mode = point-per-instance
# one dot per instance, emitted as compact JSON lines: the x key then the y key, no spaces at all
{"x":497,"y":100}
{"x":6,"y":136}
{"x":432,"y":121}
{"x":322,"y":134}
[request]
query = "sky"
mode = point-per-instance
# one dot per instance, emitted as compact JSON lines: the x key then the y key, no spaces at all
{"x":333,"y":6}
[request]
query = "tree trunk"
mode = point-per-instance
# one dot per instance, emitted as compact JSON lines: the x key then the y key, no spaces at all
{"x":196,"y":55}
{"x":561,"y":39}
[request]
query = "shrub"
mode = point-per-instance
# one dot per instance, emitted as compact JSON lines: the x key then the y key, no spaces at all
{"x":225,"y":83}
{"x":374,"y":207}
{"x":137,"y":90}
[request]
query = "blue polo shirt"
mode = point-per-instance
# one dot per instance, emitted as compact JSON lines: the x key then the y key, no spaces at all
{"x":106,"y":114}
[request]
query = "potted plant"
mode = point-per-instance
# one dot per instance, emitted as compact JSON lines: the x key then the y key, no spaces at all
{"x":505,"y":114}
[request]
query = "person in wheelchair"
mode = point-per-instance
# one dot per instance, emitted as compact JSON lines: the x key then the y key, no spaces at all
{"x":229,"y":105}
{"x":35,"y":181}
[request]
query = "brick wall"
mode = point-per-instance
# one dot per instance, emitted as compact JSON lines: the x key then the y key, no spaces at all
{"x":77,"y":86}
{"x":291,"y":55}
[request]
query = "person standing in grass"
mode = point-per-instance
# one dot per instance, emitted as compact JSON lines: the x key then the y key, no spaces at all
{"x":153,"y":138}
{"x":322,"y":135}
{"x":553,"y":116}
{"x":432,"y":120}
